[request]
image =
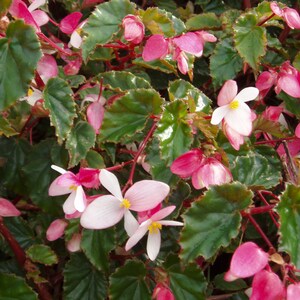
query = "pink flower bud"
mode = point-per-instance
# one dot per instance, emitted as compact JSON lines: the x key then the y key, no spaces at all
{"x":95,"y":115}
{"x":181,"y":59}
{"x":162,"y":292}
{"x":293,"y":291}
{"x":291,"y":17}
{"x":134,"y":29}
{"x":7,"y":209}
{"x":73,"y":244}
{"x":297,"y":131}
{"x":234,"y":138}
{"x":247,"y":260}
{"x":56,"y":229}
{"x":157,"y":47}
{"x":273,"y":113}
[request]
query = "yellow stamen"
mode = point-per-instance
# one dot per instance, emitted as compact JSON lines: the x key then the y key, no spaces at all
{"x":73,"y":187}
{"x":125,"y":203}
{"x":79,"y":30}
{"x":154,"y":227}
{"x":234,"y":104}
{"x":29,"y":92}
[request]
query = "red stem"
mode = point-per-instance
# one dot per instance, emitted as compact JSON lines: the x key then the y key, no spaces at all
{"x":120,"y":166}
{"x":275,"y":141}
{"x":265,"y":20}
{"x":257,"y":210}
{"x":271,"y":213}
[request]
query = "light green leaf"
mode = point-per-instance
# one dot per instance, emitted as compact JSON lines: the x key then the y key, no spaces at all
{"x":123,"y":81}
{"x":165,"y":65}
{"x":82,"y":281}
{"x":203,"y":21}
{"x":129,"y":114}
{"x":5,"y":128}
{"x":15,"y":288}
{"x":250,"y":39}
{"x":225,"y":62}
{"x":96,"y":244}
{"x":42,"y":254}
{"x":58,"y":99}
{"x":213,"y":220}
{"x":173,"y":131}
{"x":81,"y":138}
{"x":289,"y":212}
{"x":128,"y":282}
{"x":296,"y":62}
{"x":104,"y":23}
{"x":19,"y":55}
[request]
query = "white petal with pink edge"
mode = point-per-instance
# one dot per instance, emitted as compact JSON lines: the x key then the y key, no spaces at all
{"x":146,"y":194}
{"x":68,"y":206}
{"x":247,"y":94}
{"x":170,"y":223}
{"x":56,"y":190}
{"x":227,"y":92}
{"x":130,"y":223}
{"x":111,"y":183}
{"x":141,"y":231}
{"x":219,"y":114}
{"x":103,"y":212}
{"x":80,"y":199}
{"x":40,"y":17}
{"x":153,"y":244}
{"x":35,"y":4}
{"x":163,"y":213}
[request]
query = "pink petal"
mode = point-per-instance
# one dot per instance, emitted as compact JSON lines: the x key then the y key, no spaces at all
{"x":56,"y":229}
{"x":145,"y":215}
{"x":35,"y":4}
{"x":95,"y":114}
{"x":156,"y":47}
{"x":162,"y":292}
{"x":293,"y":291}
{"x":247,"y":94}
{"x":182,"y":63}
{"x":247,"y":260}
{"x":267,"y":285}
{"x":80,"y":199}
{"x":23,"y":13}
{"x":227,"y":93}
{"x":111,"y":183}
{"x":69,"y":23}
{"x":297,"y":131}
{"x":89,"y":177}
{"x":47,"y":67}
{"x":68,"y":206}
{"x":290,"y":84}
{"x":73,"y":244}
{"x":276,"y":9}
{"x":273,"y":113}
{"x":56,"y":189}
{"x":189,"y":43}
{"x":103,"y":212}
{"x":130,"y":223}
{"x":7,"y":209}
{"x":153,"y":244}
{"x":140,"y":232}
{"x":40,"y":17}
{"x":68,"y":179}
{"x":146,"y":194}
{"x":265,"y":80}
{"x":163,"y":213}
{"x":234,"y":138}
{"x":219,"y":114}
{"x":294,"y":148}
{"x":73,"y":66}
{"x":206,"y":36}
{"x":134,"y":29}
{"x":240,"y":119}
{"x":291,"y":17}
{"x":186,"y":164}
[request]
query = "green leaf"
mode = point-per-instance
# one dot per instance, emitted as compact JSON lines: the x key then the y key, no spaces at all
{"x":223,"y":285}
{"x":104,"y":23}
{"x":225,"y":62}
{"x":261,"y":124}
{"x":6,"y":129}
{"x":4,"y":5}
{"x":203,"y":21}
{"x":95,"y":160}
{"x":81,"y":138}
{"x":165,"y":65}
{"x":96,"y":244}
{"x":255,"y":171}
{"x":129,"y":114}
{"x":289,"y":213}
{"x":82,"y":281}
{"x":19,"y":55}
{"x":15,"y":288}
{"x":213,"y":220}
{"x":42,"y":254}
{"x":123,"y":81}
{"x":250,"y":39}
{"x":291,"y":103}
{"x":195,"y":99}
{"x":58,"y":99}
{"x":296,"y":62}
{"x":128,"y":282}
{"x":173,"y":131}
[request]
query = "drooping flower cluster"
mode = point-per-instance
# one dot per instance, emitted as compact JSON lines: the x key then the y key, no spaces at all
{"x":289,"y":15}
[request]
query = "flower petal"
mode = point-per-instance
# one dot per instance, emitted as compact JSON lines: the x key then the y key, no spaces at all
{"x":156,"y":48}
{"x":103,"y":212}
{"x":58,"y":169}
{"x":95,"y":114}
{"x":130,"y":223}
{"x":170,"y":223}
{"x":56,"y":229}
{"x":75,"y":40}
{"x":227,"y":92}
{"x":111,"y":183}
{"x":293,"y":291}
{"x":218,"y":114}
{"x":247,"y":94}
{"x":80,"y":199}
{"x":73,"y":244}
{"x":163,"y":213}
{"x":68,"y":206}
{"x":7,"y":209}
{"x":47,"y":67}
{"x":153,"y":244}
{"x":190,"y":43}
{"x":69,"y":23}
{"x":146,"y":194}
{"x":56,"y":189}
{"x":290,"y":84}
{"x":40,"y":17}
{"x":140,"y":232}
{"x":35,"y":4}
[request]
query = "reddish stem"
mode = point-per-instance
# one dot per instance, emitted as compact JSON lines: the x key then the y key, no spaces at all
{"x":257,"y":210}
{"x":120,"y":166}
{"x":265,"y":20}
{"x":274,"y":141}
{"x":247,"y":4}
{"x":271,"y":213}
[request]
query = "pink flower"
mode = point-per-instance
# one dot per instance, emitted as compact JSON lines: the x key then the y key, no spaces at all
{"x":247,"y":260}
{"x":69,"y":23}
{"x":47,"y":67}
{"x":297,"y":131}
{"x":56,"y":229}
{"x":134,"y":29}
{"x":162,"y":292}
{"x":182,"y":61}
{"x":290,"y":15}
{"x":108,"y":210}
{"x":234,"y":138}
{"x":293,"y":291}
{"x":7,"y":209}
{"x":73,"y":245}
{"x":204,"y":171}
{"x":157,"y":47}
{"x":267,"y":285}
{"x":153,"y":225}
{"x":265,"y":81}
{"x":233,"y":108}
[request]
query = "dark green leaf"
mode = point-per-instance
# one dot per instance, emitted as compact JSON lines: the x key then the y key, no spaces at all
{"x":128,"y":282}
{"x":82,"y":281}
{"x":289,"y":212}
{"x":96,"y":244}
{"x":58,"y":99}
{"x":19,"y":55}
{"x":165,"y":65}
{"x":213,"y":220}
{"x":15,"y":288}
{"x":291,"y":103}
{"x":5,"y":128}
{"x":104,"y":23}
{"x":95,"y":160}
{"x":203,"y":21}
{"x":42,"y":254}
{"x":225,"y":62}
{"x":223,"y":285}
{"x":250,"y":39}
{"x":173,"y":131}
{"x":129,"y":114}
{"x":81,"y":138}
